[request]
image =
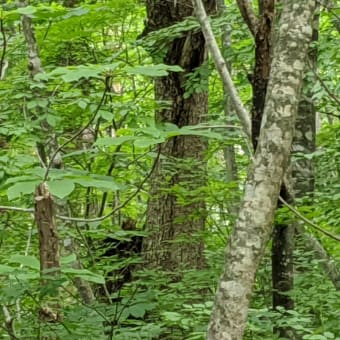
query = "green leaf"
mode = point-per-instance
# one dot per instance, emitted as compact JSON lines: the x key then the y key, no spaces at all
{"x":195,"y":131}
{"x":28,"y":10}
{"x":159,"y":70}
{"x":172,"y":316}
{"x":143,"y":142}
{"x":68,"y":259}
{"x":76,"y":12}
{"x":61,"y":188}
{"x":75,"y":73}
{"x":52,"y":120}
{"x":137,"y":310}
{"x":82,"y":103}
{"x":21,"y":188}
{"x":28,"y":261}
{"x":6,"y":269}
{"x":106,"y":115}
{"x":84,"y":274}
{"x":100,"y":184}
{"x":109,"y":141}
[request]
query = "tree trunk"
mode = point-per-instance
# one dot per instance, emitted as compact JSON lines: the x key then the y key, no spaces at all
{"x":283,"y":234}
{"x":253,"y":228}
{"x":176,"y":215}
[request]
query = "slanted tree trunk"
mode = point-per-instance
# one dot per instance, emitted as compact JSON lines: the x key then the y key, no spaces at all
{"x":283,"y":234}
{"x":253,"y":228}
{"x":176,"y":215}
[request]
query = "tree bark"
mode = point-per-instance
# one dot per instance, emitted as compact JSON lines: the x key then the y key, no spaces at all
{"x":175,"y":215}
{"x":253,"y":229}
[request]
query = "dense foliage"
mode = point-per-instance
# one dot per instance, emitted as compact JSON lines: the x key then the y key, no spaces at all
{"x":94,"y":104}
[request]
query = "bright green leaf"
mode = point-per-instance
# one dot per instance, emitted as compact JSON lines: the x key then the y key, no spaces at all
{"x":27,"y":10}
{"x":109,"y":141}
{"x":143,"y":142}
{"x":84,"y":274}
{"x":61,"y":188}
{"x":28,"y":261}
{"x":21,"y":188}
{"x":159,"y":70}
{"x":6,"y":269}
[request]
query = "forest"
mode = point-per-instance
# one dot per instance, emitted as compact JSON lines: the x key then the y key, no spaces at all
{"x":170,"y":169}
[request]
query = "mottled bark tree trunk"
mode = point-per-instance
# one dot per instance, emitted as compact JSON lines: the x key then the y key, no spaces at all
{"x":253,"y":228}
{"x":283,"y":234}
{"x":174,"y":223}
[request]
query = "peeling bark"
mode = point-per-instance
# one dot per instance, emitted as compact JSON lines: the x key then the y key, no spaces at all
{"x":253,"y":229}
{"x":48,"y":236}
{"x":48,"y":247}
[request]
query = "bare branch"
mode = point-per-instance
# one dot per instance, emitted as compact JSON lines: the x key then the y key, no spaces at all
{"x":221,"y":67}
{"x":326,"y":88}
{"x":309,"y":222}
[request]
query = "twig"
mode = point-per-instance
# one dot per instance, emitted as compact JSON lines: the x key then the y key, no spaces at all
{"x":75,"y":135}
{"x":306,"y":220}
{"x":323,"y":84}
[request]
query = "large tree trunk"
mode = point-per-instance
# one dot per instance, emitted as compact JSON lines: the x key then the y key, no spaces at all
{"x":175,"y":215}
{"x":253,"y":229}
{"x":283,"y":234}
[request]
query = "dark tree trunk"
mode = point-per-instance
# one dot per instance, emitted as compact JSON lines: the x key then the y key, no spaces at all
{"x":260,"y":77}
{"x":176,"y":214}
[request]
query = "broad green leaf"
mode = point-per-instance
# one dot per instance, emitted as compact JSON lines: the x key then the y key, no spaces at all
{"x":82,"y":103}
{"x":28,"y":261}
{"x":109,"y":141}
{"x":106,"y":115}
{"x":143,"y":142}
{"x":52,"y":120}
{"x":103,"y":185}
{"x":172,"y":316}
{"x":69,"y":75}
{"x":76,"y":12}
{"x":138,"y":310}
{"x":75,"y":73}
{"x":21,"y":188}
{"x":68,"y":259}
{"x":84,"y":274}
{"x":61,"y":188}
{"x":193,"y":131}
{"x":159,"y":70}
{"x":27,"y":10}
{"x":6,"y":269}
